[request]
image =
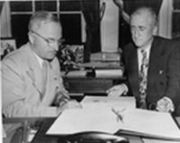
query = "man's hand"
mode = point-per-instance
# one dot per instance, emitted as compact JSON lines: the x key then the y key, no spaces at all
{"x":61,"y":98}
{"x":68,"y":105}
{"x":165,"y":104}
{"x":117,"y":90}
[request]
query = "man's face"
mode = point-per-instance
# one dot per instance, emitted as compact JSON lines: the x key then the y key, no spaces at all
{"x":142,"y":29}
{"x":46,"y":38}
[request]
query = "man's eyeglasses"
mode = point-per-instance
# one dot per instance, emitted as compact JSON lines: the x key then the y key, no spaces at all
{"x":49,"y":41}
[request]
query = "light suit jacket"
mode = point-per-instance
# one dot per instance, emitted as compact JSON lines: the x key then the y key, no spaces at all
{"x":163,"y":72}
{"x":21,"y":82}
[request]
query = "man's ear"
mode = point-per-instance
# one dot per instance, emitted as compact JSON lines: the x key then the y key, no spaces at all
{"x":155,"y":30}
{"x":30,"y":37}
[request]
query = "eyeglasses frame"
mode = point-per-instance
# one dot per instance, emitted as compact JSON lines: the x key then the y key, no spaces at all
{"x":49,"y":41}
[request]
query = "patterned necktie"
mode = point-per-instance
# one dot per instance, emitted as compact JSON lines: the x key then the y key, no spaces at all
{"x":143,"y":80}
{"x":44,"y":78}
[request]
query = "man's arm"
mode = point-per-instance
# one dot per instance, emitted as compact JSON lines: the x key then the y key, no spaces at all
{"x":62,"y":98}
{"x":14,"y":99}
{"x":171,"y":99}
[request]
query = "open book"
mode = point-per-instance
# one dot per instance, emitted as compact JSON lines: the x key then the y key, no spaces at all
{"x":101,"y":116}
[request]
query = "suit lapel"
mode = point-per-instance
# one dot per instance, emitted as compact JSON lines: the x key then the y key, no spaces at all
{"x":153,"y":61}
{"x":134,"y":80}
{"x":34,"y":69}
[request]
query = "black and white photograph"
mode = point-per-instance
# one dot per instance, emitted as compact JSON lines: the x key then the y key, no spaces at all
{"x":90,"y":71}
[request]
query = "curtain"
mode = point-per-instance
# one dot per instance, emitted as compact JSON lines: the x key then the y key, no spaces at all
{"x":131,"y":5}
{"x":91,"y":12}
{"x":5,"y":20}
{"x":165,"y":19}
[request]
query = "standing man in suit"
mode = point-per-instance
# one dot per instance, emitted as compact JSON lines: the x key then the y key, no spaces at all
{"x":31,"y":78}
{"x":152,"y":66}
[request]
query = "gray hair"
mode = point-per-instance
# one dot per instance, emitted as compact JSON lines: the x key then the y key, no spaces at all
{"x":148,"y":10}
{"x":39,"y":17}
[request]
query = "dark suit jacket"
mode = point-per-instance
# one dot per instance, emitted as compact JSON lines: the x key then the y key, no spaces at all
{"x":163,"y":72}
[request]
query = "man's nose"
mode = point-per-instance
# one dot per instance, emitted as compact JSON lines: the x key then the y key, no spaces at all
{"x":55,"y":46}
{"x":136,"y":33}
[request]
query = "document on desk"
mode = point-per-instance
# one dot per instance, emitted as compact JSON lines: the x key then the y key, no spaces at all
{"x":147,"y":140}
{"x":96,"y":115}
{"x":102,"y":116}
{"x":119,"y":102}
{"x":151,"y":124}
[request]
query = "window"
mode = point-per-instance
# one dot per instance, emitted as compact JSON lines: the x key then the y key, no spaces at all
{"x":176,"y":19}
{"x":68,"y":11}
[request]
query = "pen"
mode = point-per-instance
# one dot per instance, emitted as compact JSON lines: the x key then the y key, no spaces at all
{"x":119,"y":116}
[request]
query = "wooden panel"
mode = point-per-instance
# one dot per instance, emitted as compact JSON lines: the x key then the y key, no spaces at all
{"x":88,"y":85}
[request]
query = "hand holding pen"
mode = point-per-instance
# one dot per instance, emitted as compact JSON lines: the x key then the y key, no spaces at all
{"x":63,"y":102}
{"x":61,"y":98}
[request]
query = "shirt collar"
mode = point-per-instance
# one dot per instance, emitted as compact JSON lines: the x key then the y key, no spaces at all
{"x":40,"y":61}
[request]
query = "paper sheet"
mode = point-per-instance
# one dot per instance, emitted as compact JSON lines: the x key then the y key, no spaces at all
{"x":121,"y":102}
{"x":151,"y":124}
{"x":145,"y":140}
{"x":96,"y":115}
{"x":81,"y":120}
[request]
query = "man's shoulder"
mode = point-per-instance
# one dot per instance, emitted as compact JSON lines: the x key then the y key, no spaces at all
{"x":16,"y":57}
{"x":164,"y":44}
{"x":130,"y":47}
{"x":163,"y":40}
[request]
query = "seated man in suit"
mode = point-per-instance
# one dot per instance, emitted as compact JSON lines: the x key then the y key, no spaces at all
{"x":31,"y":78}
{"x":152,"y":66}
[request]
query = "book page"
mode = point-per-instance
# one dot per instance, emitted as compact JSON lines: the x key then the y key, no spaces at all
{"x":109,"y":116}
{"x":96,"y":115}
{"x":151,"y":124}
{"x":100,"y":119}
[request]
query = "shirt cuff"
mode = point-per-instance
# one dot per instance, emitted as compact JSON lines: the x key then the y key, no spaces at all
{"x":170,"y":102}
{"x":49,"y":112}
{"x":125,"y":89}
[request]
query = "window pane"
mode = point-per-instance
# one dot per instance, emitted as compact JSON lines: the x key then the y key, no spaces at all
{"x":71,"y":24}
{"x":70,"y":5}
{"x":176,"y":4}
{"x":20,"y":28}
{"x":21,"y":6}
{"x":45,"y":5}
